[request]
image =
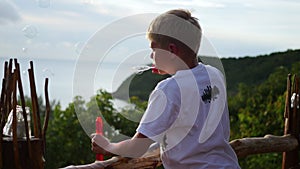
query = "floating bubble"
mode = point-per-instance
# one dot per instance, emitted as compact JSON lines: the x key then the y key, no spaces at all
{"x":24,"y":72}
{"x":47,"y":73}
{"x":78,"y":47}
{"x":44,"y":3}
{"x":24,"y":50}
{"x":30,"y":31}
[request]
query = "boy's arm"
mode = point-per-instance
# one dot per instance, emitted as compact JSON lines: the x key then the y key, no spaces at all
{"x":134,"y":147}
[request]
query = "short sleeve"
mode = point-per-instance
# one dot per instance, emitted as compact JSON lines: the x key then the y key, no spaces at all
{"x":159,"y":116}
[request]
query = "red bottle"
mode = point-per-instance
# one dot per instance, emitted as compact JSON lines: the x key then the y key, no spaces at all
{"x":99,"y":130}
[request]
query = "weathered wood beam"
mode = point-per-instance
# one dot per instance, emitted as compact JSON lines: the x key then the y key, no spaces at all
{"x":259,"y":145}
{"x":242,"y":147}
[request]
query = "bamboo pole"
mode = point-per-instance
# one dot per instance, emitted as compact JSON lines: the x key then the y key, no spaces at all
{"x":2,"y":118}
{"x":35,"y":101}
{"x":34,"y":113}
{"x":36,"y":119}
{"x":47,"y":113}
{"x":4,"y":95}
{"x":5,"y":98}
{"x":20,"y":87}
{"x":9,"y":87}
{"x":15,"y":139}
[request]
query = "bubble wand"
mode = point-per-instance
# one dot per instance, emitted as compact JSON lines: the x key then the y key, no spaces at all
{"x":99,"y":130}
{"x":140,"y":69}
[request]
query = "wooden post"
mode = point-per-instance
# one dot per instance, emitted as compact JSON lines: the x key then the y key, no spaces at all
{"x":20,"y":87}
{"x":15,"y":141}
{"x":291,"y":158}
{"x":35,"y":109}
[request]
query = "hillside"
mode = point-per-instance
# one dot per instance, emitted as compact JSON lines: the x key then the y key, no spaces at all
{"x":254,"y":70}
{"x":248,"y":70}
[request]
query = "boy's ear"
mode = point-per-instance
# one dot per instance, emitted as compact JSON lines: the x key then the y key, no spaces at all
{"x":173,"y":48}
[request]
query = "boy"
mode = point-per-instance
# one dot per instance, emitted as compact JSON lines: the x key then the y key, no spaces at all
{"x":187,"y":113}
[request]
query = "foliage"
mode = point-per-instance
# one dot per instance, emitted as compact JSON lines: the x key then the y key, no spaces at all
{"x":257,"y":110}
{"x":67,"y":143}
{"x":124,"y":121}
{"x":255,"y":70}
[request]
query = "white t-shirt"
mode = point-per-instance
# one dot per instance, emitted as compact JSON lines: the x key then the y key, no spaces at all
{"x":188,"y":115}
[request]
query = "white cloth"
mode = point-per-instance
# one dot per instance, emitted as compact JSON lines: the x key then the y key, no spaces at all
{"x":188,"y":115}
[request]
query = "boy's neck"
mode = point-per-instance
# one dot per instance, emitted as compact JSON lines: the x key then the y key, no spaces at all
{"x":188,"y":64}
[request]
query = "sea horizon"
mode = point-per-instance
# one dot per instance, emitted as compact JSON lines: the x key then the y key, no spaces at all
{"x":61,"y":76}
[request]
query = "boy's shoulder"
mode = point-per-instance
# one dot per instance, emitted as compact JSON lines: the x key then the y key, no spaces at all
{"x":166,"y":83}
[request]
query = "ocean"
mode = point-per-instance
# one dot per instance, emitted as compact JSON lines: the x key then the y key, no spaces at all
{"x":61,"y":74}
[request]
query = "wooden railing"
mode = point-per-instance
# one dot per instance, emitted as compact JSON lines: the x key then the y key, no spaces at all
{"x":242,"y":147}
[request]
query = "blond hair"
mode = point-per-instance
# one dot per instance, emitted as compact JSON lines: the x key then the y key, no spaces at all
{"x":176,"y":26}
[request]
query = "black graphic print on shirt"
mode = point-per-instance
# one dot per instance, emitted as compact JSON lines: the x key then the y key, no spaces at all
{"x":210,"y":94}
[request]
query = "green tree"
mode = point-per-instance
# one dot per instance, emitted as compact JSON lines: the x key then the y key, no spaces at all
{"x":67,"y":143}
{"x":257,"y":111}
{"x":124,"y":121}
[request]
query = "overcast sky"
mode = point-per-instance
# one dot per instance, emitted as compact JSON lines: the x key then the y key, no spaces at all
{"x":59,"y":28}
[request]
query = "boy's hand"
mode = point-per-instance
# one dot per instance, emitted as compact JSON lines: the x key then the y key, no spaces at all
{"x":98,"y":150}
{"x":99,"y":144}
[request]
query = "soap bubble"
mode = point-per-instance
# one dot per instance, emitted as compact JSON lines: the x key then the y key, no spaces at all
{"x":24,"y":49}
{"x":24,"y":72}
{"x":30,"y":31}
{"x":47,"y":73}
{"x":44,"y":3}
{"x":78,"y":47}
